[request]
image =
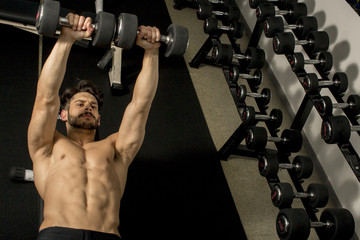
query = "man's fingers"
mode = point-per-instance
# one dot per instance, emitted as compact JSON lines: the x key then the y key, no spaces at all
{"x":81,"y":23}
{"x":76,"y":22}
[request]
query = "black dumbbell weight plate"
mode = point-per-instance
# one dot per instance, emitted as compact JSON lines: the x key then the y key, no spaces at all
{"x":105,"y":29}
{"x":241,"y":95}
{"x":258,"y":80}
{"x":308,"y":24}
{"x":298,"y":9}
{"x":282,"y":195}
{"x":222,"y":53}
{"x":126,"y":30}
{"x":297,"y":62}
{"x":265,"y":10}
{"x":320,"y":195}
{"x":324,"y":106}
{"x":354,"y":102}
{"x":273,"y":25}
{"x":343,"y":226}
{"x":320,"y":41}
{"x":266,"y":93}
{"x":310,"y":83}
{"x":293,"y":223}
{"x":268,"y":165}
{"x":306,"y":167}
{"x":179,"y":39}
{"x":277,"y":121}
{"x":238,"y":30}
{"x":335,"y":129}
{"x":47,"y":18}
{"x":248,"y":115}
{"x":256,"y":138}
{"x":341,"y":84}
{"x":284,"y":43}
{"x":204,"y":11}
{"x":257,"y":57}
{"x":211,"y":26}
{"x":327,"y":59}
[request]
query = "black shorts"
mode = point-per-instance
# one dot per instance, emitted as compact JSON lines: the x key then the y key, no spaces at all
{"x":61,"y":233}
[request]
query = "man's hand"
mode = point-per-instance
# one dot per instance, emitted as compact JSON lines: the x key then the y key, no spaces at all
{"x":81,"y":28}
{"x":148,"y":37}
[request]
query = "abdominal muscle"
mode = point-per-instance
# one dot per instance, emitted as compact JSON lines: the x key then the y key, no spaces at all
{"x":82,"y":189}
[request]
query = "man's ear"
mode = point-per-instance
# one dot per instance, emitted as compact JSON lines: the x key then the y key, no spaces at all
{"x":63,"y":115}
{"x":99,"y":120}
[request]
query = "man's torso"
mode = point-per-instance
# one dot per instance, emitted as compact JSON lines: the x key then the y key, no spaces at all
{"x":81,"y":185}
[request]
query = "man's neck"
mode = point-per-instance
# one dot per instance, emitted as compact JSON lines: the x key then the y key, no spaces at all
{"x":81,"y":136}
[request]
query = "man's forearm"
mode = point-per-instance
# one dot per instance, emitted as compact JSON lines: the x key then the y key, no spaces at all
{"x":54,"y":68}
{"x":147,"y":81}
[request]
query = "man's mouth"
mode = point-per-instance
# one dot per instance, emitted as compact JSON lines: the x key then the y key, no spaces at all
{"x":87,"y":115}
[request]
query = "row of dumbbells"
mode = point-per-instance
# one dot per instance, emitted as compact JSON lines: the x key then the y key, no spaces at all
{"x":335,"y":129}
{"x":224,"y":20}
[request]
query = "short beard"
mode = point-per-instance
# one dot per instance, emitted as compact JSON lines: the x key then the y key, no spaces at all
{"x":73,"y":121}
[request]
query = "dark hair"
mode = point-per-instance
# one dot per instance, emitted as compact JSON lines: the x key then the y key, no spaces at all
{"x":81,"y":86}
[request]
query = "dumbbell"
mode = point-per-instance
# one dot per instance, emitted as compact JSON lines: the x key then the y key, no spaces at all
{"x":304,"y":25}
{"x":176,"y":38}
{"x":293,"y":12}
{"x":269,"y":166}
{"x":324,"y":61}
{"x":224,"y":54}
{"x":263,"y":97}
{"x":212,"y":27}
{"x":206,"y":10}
{"x":257,"y":137}
{"x":280,"y":3}
{"x":48,"y":19}
{"x":234,"y":74}
{"x":282,"y":195}
{"x":335,"y":223}
{"x":284,"y":43}
{"x":337,"y":129}
{"x":250,"y":117}
{"x":20,"y":174}
{"x":325,"y":105}
{"x":312,"y":84}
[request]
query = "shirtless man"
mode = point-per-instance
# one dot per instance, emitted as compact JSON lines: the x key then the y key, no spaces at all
{"x":82,"y":181}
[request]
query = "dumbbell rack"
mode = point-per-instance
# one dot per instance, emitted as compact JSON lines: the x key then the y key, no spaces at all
{"x":233,"y":145}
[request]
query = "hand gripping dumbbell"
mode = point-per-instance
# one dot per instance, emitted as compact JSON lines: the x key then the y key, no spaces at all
{"x":48,"y":19}
{"x":312,"y":84}
{"x":293,"y":12}
{"x":257,"y":137}
{"x":212,"y":27}
{"x":263,"y":98}
{"x":176,"y":38}
{"x":324,"y":61}
{"x":205,"y":10}
{"x":335,"y":223}
{"x":337,"y":129}
{"x":282,"y":195}
{"x":269,"y":166}
{"x":304,"y":25}
{"x":224,"y":54}
{"x":325,"y":105}
{"x":280,"y":3}
{"x":234,"y":74}
{"x":250,"y":117}
{"x":284,"y":43}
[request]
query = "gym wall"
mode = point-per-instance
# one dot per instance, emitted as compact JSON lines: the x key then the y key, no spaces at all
{"x":342,"y":24}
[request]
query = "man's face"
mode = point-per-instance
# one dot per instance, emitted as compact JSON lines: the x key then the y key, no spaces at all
{"x":83,"y":111}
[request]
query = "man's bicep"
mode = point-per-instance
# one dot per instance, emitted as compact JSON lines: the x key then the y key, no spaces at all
{"x":42,"y":124}
{"x":132,"y":130}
